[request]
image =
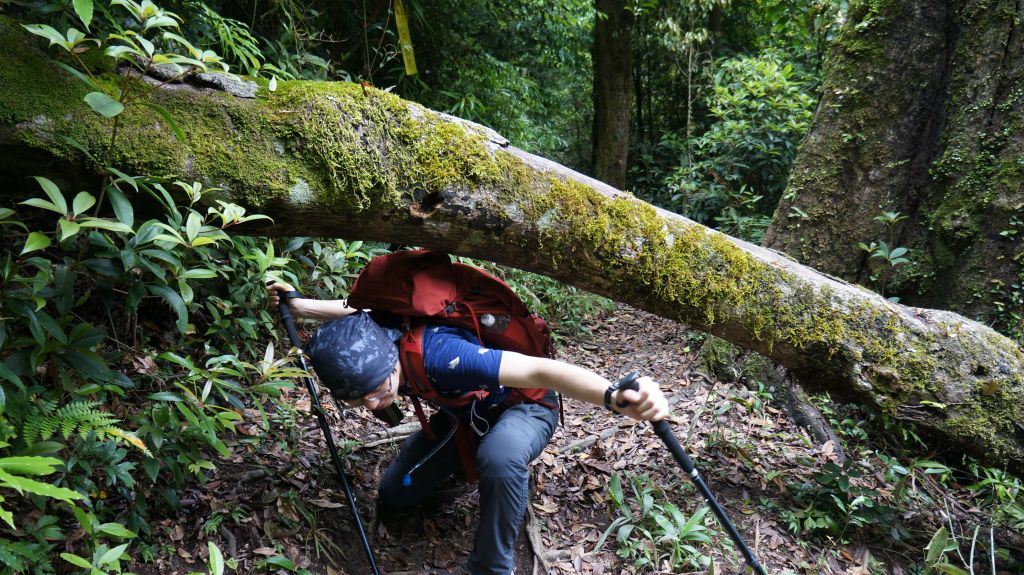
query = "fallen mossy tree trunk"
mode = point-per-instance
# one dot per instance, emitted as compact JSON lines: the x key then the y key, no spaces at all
{"x":333,"y":159}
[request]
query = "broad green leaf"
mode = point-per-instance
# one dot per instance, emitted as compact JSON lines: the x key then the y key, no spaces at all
{"x":216,"y":559}
{"x":117,"y":530}
{"x":175,"y":239}
{"x":936,"y":546}
{"x":105,"y":225}
{"x":147,"y":46}
{"x":177,"y":359}
{"x":82,"y":202}
{"x":67,"y":228}
{"x":202,"y":241}
{"x":152,"y":467}
{"x":86,"y":335}
{"x":84,"y":10}
{"x":76,"y":560}
{"x":123,"y":177}
{"x":174,"y":300}
{"x":51,"y":326}
{"x":165,"y":396}
{"x":183,"y":42}
{"x":198,"y":273}
{"x":193,"y":226}
{"x":103,"y":104}
{"x":22,"y":484}
{"x":187,"y":294}
{"x":168,"y":119}
{"x":43,"y":448}
{"x":53,"y":192}
{"x":160,"y":22}
{"x":131,"y":6}
{"x":47,"y":32}
{"x":122,"y":51}
{"x":35,"y":241}
{"x":7,"y":516}
{"x":112,"y":555}
{"x":43,"y":204}
{"x":281,"y":561}
{"x":164,"y":256}
{"x":122,"y":207}
{"x":89,"y":363}
{"x":91,"y":84}
{"x":23,"y":465}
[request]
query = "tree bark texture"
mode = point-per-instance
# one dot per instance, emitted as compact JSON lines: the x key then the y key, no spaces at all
{"x":613,"y":90}
{"x":330,"y":159}
{"x":921,"y":114}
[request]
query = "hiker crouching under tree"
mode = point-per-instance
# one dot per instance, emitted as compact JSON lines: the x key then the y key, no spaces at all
{"x":510,"y":419}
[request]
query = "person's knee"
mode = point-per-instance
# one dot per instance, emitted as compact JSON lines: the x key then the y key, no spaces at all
{"x":501,"y":464}
{"x":398,"y":497}
{"x":393,"y":494}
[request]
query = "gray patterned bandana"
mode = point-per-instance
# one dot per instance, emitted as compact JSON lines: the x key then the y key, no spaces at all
{"x":352,"y":355}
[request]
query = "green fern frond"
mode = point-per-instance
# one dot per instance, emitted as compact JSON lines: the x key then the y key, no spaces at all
{"x":83,"y":417}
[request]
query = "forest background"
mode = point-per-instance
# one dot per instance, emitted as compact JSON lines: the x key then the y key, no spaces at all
{"x":135,"y":362}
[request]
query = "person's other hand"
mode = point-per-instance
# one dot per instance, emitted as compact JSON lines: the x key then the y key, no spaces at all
{"x":274,"y":291}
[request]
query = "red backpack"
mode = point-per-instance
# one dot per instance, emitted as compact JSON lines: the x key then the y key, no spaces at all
{"x":422,"y":286}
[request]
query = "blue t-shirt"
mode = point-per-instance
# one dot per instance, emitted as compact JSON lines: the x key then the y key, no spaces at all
{"x":456,"y":363}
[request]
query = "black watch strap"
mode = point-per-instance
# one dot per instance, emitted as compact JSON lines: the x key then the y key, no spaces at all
{"x":608,"y":396}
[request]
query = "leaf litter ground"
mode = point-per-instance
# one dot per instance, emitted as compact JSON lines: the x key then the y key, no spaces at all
{"x":278,"y":496}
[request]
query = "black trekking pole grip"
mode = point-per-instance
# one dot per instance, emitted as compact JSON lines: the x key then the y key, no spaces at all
{"x":293,"y":335}
{"x":289,"y":321}
{"x":664,"y":431}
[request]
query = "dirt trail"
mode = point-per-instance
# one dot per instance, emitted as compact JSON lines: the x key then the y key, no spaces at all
{"x":747,"y":451}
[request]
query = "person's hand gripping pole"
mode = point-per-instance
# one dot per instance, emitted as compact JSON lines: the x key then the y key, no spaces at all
{"x":664,"y":431}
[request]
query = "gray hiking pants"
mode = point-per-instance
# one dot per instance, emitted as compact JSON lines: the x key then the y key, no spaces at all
{"x":517,"y":436}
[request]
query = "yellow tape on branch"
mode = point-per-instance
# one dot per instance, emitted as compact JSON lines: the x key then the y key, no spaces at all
{"x":404,"y":38}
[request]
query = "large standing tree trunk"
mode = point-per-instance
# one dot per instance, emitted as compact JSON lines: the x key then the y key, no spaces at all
{"x":921,"y":114}
{"x":331,"y":159}
{"x":613,"y":90}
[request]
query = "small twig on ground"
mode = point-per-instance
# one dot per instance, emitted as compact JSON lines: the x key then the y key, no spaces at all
{"x":389,"y":435}
{"x":230,"y":538}
{"x":536,"y":541}
{"x":588,"y":441}
{"x":385,"y":441}
{"x":253,"y":475}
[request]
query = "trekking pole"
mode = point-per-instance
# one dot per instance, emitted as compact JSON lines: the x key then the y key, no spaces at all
{"x":289,"y":325}
{"x":664,"y":431}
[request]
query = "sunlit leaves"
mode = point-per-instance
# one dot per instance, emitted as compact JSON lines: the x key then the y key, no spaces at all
{"x":35,"y":241}
{"x":73,"y":40}
{"x":103,"y":104}
{"x":82,"y":202}
{"x":232,"y":214}
{"x":83,"y":8}
{"x":12,"y":476}
{"x":72,"y":221}
{"x":56,"y":203}
{"x":148,"y":14}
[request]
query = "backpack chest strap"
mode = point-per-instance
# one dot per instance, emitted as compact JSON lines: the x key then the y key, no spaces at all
{"x":411,"y":355}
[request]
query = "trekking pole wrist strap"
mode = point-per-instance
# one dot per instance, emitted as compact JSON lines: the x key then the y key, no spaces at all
{"x":287,"y":295}
{"x":608,"y":396}
{"x":627,"y":382}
